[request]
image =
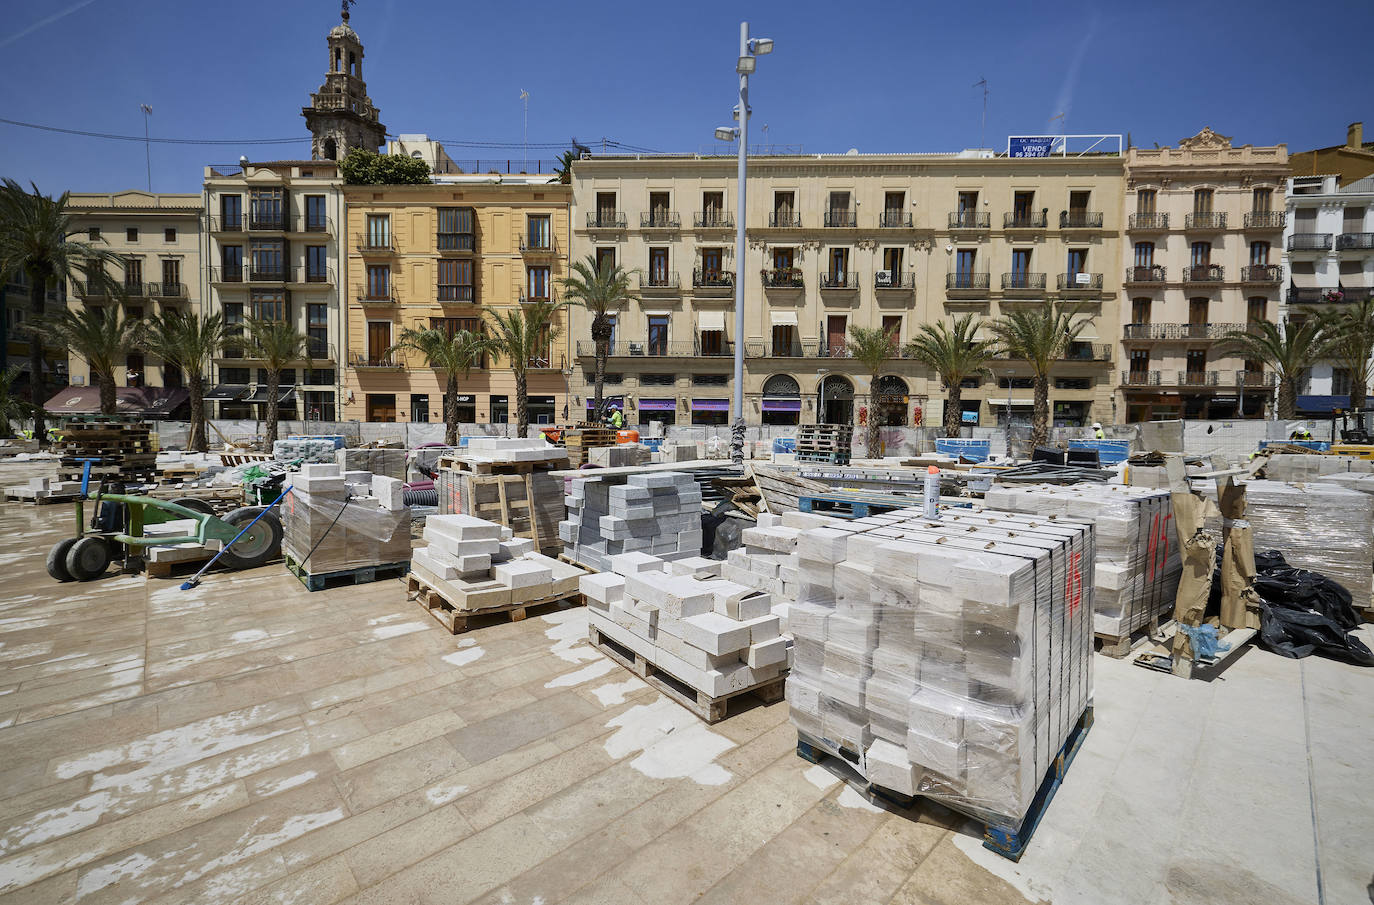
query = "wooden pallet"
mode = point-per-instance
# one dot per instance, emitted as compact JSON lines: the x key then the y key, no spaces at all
{"x":1006,"y":841}
{"x":856,"y":505}
{"x":506,"y":511}
{"x":229,"y":460}
{"x":825,"y":458}
{"x":1118,"y":647}
{"x":44,"y":500}
{"x":707,"y":708}
{"x":458,"y":621}
{"x":318,"y":581}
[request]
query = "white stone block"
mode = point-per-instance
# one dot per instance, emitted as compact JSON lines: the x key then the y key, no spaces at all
{"x":696,"y":567}
{"x":603,"y":587}
{"x":390,"y":492}
{"x":888,"y":765}
{"x":714,"y":633}
{"x":825,"y":545}
{"x":767,"y":653}
{"x":764,"y":628}
{"x":314,"y":470}
{"x":522,"y":573}
{"x":632,"y":563}
{"x":462,"y":527}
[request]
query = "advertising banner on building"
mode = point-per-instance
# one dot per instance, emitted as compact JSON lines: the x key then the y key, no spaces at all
{"x":1030,"y":145}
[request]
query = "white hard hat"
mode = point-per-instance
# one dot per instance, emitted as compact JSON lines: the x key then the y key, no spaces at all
{"x":1097,"y":426}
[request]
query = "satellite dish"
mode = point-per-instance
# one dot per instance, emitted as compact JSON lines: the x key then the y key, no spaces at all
{"x":853,"y":151}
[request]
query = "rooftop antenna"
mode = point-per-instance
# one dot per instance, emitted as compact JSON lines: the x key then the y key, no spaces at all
{"x":147,"y":148}
{"x":525,"y":97}
{"x":983,"y":135}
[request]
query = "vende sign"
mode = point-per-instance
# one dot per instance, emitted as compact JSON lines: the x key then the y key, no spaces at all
{"x":1030,"y":146}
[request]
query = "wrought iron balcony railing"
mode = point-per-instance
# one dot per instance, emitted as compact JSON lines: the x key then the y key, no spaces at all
{"x":713,"y":220}
{"x":606,"y":219}
{"x":1198,"y":379}
{"x":784,"y":220}
{"x":966,"y":281}
{"x":1075,"y":352}
{"x":840,"y":279}
{"x":374,"y":296}
{"x":1254,"y":379}
{"x":1140,"y":378}
{"x":380,"y":361}
{"x":1148,"y":222}
{"x":783,"y":278}
{"x":660,"y":280}
{"x":309,"y":224}
{"x":1145,"y":273}
{"x":267,"y":222}
{"x":660,"y":220}
{"x":1309,"y":242}
{"x":1204,"y":273}
{"x":1307,"y":295}
{"x":228,"y":273}
{"x":374,"y":243}
{"x":841,"y":218}
{"x":696,"y":348}
{"x":166,"y":290}
{"x":1080,"y":282}
{"x":713,"y":279}
{"x":1354,"y":240}
{"x":1023,"y":282}
{"x":1175,"y":332}
{"x":1202,"y":220}
{"x":894,"y":279}
{"x":970,"y":220}
{"x":461,"y":242}
{"x":1265,"y":219}
{"x":1025,"y":220}
{"x":1260,"y":273}
{"x":267,"y":273}
{"x":457,"y":294}
{"x":1080,"y":219}
{"x":231,"y":224}
{"x":797,"y":348}
{"x":894,"y":220}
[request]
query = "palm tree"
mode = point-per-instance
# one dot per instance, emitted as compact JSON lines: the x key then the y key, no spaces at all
{"x":954,"y":354}
{"x":12,"y":408}
{"x":601,"y":290}
{"x":189,"y":341}
{"x":871,"y":347}
{"x":37,"y":239}
{"x":1288,"y":349}
{"x":278,"y":345}
{"x":1350,"y":342}
{"x":1039,"y":337}
{"x":101,"y":337}
{"x":523,"y":336}
{"x":453,"y":353}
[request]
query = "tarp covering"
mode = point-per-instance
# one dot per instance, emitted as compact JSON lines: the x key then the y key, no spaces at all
{"x":150,"y":402}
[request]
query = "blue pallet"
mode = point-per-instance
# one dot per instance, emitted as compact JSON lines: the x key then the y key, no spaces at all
{"x":318,"y":581}
{"x":851,"y":506}
{"x":784,"y":444}
{"x":1109,"y":452}
{"x":1318,"y":445}
{"x":975,"y":450}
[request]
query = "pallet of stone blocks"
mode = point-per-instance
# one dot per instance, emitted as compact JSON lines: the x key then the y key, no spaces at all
{"x":767,"y":559}
{"x":124,"y":449}
{"x":1136,"y":571}
{"x":830,"y":443}
{"x":655,"y":512}
{"x":473,"y":568}
{"x":44,"y":490}
{"x":946,"y":660}
{"x":344,"y":525}
{"x":508,"y":481}
{"x":697,"y":638}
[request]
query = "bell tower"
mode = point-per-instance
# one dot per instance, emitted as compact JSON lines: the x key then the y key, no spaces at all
{"x":341,"y":115}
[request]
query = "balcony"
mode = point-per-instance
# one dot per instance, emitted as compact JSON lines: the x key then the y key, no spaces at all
{"x":840,"y":279}
{"x":1080,"y":282}
{"x":460,"y":243}
{"x":371,"y":244}
{"x":666,"y":281}
{"x":1197,"y":380}
{"x":90,"y":289}
{"x":1310,"y":295}
{"x":321,"y":352}
{"x":1026,"y":220}
{"x":167,"y":291}
{"x":267,"y":222}
{"x":967,"y":282}
{"x":713,"y":220}
{"x":841,"y":219}
{"x":1354,"y":240}
{"x":1080,"y":219}
{"x":1265,"y":219}
{"x":376,"y":362}
{"x":970,"y":220}
{"x":1204,"y":221}
{"x":797,"y":348}
{"x":783,"y":278}
{"x":660,"y":220}
{"x":607,"y":219}
{"x":1261,"y":274}
{"x":586,"y":348}
{"x":1178,"y":332}
{"x":784,"y":220}
{"x":1145,"y":275}
{"x":225,"y":224}
{"x":546,"y":362}
{"x":1254,"y":379}
{"x":134,"y":290}
{"x":894,"y":220}
{"x":1023,"y":282}
{"x":713,"y":281}
{"x":229,"y":273}
{"x":546,"y":297}
{"x":1309,"y":242}
{"x":457,"y":295}
{"x":374,"y":297}
{"x":1076,"y":352}
{"x":895,"y":280}
{"x":1204,"y":273}
{"x":1140,"y":378}
{"x":1148,"y":223}
{"x":267,"y":273}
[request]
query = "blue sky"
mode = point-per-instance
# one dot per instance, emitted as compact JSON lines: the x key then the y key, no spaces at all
{"x":877,"y":76}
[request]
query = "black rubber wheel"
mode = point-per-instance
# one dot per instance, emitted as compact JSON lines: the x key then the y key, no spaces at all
{"x":88,"y":558}
{"x":57,"y":559}
{"x":195,"y":505}
{"x":260,"y":545}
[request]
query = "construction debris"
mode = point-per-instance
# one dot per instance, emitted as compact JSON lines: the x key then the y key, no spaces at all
{"x":652,"y":512}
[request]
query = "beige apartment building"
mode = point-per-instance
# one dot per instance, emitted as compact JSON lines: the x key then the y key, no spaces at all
{"x":833,"y":241}
{"x":158,"y":236}
{"x":441,"y":255}
{"x":1202,"y":258}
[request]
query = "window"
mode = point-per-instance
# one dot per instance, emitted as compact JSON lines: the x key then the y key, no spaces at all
{"x":537,"y":279}
{"x":1197,"y":362}
{"x":658,"y":334}
{"x":315,"y":219}
{"x":1259,"y":252}
{"x":131,"y":234}
{"x":455,"y":281}
{"x":319,"y":406}
{"x":1078,"y":204}
{"x":1022,"y":207}
{"x":712,"y":342}
{"x":1020,"y":267}
{"x":1077,"y":261}
{"x":840,"y":213}
{"x":604,"y":255}
{"x":711,"y":263}
{"x":1202,"y":201}
{"x":658,"y":208}
{"x":657,"y":380}
{"x":231,"y":260}
{"x":1073,"y":383}
{"x":316,"y":264}
{"x":709,"y":380}
{"x":419,"y":407}
{"x":1201,"y":254}
{"x":381,"y":406}
{"x":605,"y":208}
{"x":269,"y":305}
{"x":538,"y":232}
{"x":783,"y":258}
{"x":93,"y":234}
{"x":133,"y":370}
{"x":964,"y":261}
{"x":317,"y":329}
{"x":786,"y":342}
{"x":784,"y":205}
{"x":1140,"y":364}
{"x":500,"y":409}
{"x":1140,"y":311}
{"x":231,"y":212}
{"x":378,"y":231}
{"x":169,"y":234}
{"x":378,"y":342}
{"x":235,"y":376}
{"x":1197,"y":311}
{"x":713,"y":209}
{"x":1340,"y":382}
{"x":658,"y":267}
{"x":1145,"y":201}
{"x":265,"y":208}
{"x":133,"y":272}
{"x":894,"y":208}
{"x":456,"y":229}
{"x":266,"y":259}
{"x":1144,"y":254}
{"x":1256,"y":310}
{"x":892,"y":326}
{"x":1262,"y":201}
{"x":968,"y":202}
{"x":171,"y":277}
{"x":540,"y":358}
{"x":379,"y":281}
{"x":319,"y":376}
{"x":839,"y":266}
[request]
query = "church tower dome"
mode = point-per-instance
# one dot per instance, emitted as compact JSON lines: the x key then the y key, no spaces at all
{"x":341,"y":116}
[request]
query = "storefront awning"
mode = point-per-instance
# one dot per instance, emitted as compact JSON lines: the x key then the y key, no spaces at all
{"x":611,"y":402}
{"x":284,"y":394}
{"x":783,"y":318}
{"x":782,"y":405}
{"x":711,"y":320}
{"x":710,"y":405}
{"x":1304,"y":280}
{"x":149,"y":402}
{"x":227,"y":391}
{"x":658,"y":405}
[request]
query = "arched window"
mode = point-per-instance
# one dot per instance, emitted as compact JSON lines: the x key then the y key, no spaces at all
{"x":890,"y":385}
{"x":781,"y":385}
{"x":331,"y":151}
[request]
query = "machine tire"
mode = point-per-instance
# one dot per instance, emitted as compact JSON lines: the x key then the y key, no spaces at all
{"x":259,"y":546}
{"x":88,"y":558}
{"x":196,"y":505}
{"x":57,"y":559}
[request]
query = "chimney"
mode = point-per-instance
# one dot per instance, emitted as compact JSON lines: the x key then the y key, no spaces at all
{"x":1354,"y":136}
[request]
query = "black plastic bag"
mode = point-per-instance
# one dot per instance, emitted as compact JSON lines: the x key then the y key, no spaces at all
{"x":1303,"y":613}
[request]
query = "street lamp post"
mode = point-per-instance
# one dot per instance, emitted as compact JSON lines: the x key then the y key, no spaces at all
{"x":749,"y":51}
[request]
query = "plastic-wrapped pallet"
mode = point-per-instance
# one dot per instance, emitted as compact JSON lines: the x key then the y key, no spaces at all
{"x":1318,"y":525}
{"x":1298,"y":467}
{"x":953,"y":657}
{"x":1137,"y":568}
{"x":389,"y":462}
{"x":654,"y":512}
{"x":325,"y":529}
{"x":314,"y":450}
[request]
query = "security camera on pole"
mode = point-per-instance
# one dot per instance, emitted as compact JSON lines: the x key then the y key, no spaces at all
{"x":749,"y":51}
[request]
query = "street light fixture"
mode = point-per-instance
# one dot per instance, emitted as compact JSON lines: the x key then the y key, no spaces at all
{"x":749,"y":50}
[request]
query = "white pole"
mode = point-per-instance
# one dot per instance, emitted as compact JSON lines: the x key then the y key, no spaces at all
{"x":525,"y":96}
{"x":736,"y":442}
{"x":147,"y":147}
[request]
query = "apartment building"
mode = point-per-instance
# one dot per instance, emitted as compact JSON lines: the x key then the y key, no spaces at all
{"x":833,"y":241}
{"x":157,"y":237}
{"x":440,"y":255}
{"x":1202,"y":257}
{"x":1328,"y":257}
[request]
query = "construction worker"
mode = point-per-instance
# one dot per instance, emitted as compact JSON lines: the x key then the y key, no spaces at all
{"x":617,"y":419}
{"x":1098,"y":432}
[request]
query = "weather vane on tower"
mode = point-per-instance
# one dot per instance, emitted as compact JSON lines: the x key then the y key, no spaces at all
{"x":346,"y":4}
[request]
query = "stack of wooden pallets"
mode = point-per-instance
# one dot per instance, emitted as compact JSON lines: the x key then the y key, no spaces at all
{"x":828,"y":443}
{"x":124,"y":448}
{"x":509,"y":482}
{"x":584,"y":438}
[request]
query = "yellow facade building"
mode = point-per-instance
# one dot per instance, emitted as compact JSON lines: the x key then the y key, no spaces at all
{"x":442,"y":255}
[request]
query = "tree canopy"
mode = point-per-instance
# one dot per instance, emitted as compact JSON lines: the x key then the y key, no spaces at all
{"x":363,"y":167}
